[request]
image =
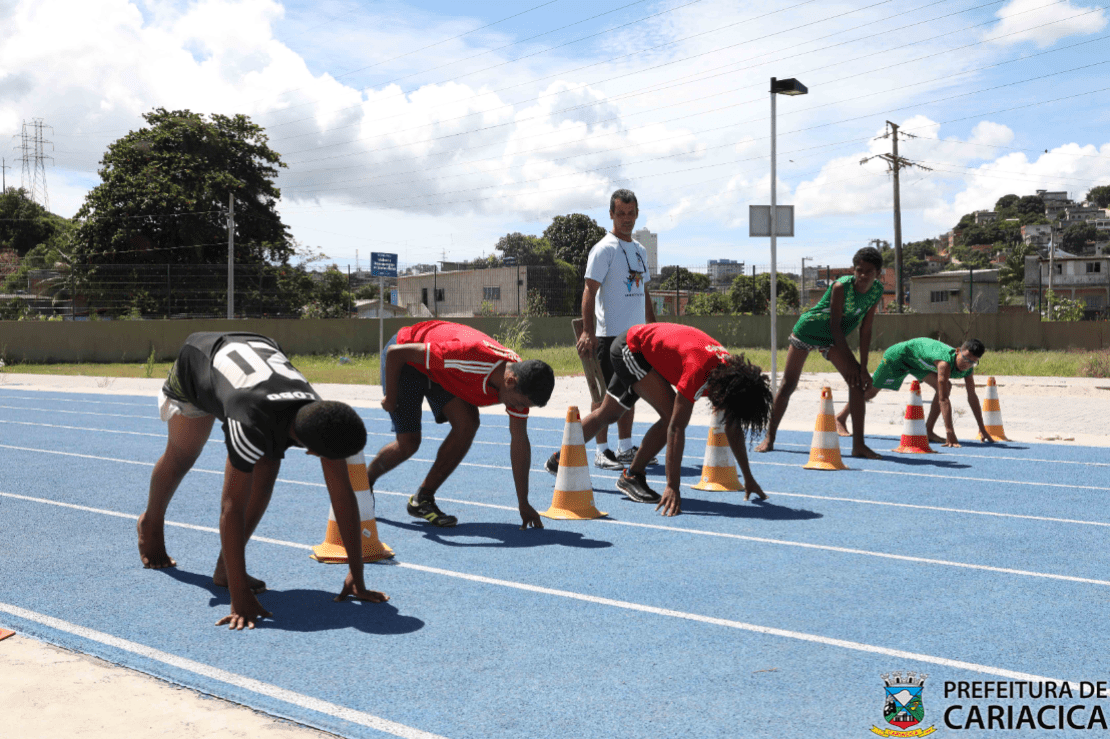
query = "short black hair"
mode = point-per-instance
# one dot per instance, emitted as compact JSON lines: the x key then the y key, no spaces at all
{"x":974,"y":346}
{"x":329,"y":428}
{"x":870,"y":255}
{"x":535,"y":379}
{"x":625,"y":196}
{"x":739,"y":389}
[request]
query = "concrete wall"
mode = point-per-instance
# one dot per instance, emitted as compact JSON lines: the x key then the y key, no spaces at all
{"x":132,"y":341}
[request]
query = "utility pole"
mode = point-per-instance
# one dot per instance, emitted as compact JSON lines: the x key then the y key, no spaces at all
{"x":1051,"y":269}
{"x":230,"y":256}
{"x":894,"y":164}
{"x":33,"y":178}
{"x":4,"y":170}
{"x":802,"y":300}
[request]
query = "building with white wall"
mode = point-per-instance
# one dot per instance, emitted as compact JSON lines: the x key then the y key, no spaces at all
{"x":650,"y":242}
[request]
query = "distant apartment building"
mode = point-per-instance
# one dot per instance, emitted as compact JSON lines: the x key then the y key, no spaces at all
{"x":1036,"y":236}
{"x":650,"y":242}
{"x":723,"y":271}
{"x":956,"y":291}
{"x":1084,"y":278}
{"x":985,"y":216}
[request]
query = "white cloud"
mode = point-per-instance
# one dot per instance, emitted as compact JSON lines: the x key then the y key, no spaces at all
{"x":1045,"y":23}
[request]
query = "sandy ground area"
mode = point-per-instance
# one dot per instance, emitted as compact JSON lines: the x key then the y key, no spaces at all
{"x":48,"y":692}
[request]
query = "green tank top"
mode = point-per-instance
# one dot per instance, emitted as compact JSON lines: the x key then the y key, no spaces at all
{"x":920,"y":357}
{"x":813,"y":325}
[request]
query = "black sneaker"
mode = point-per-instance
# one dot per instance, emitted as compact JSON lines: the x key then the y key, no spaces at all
{"x":635,"y":488}
{"x":606,"y":460}
{"x":629,"y":454}
{"x":552,"y":464}
{"x":429,"y":511}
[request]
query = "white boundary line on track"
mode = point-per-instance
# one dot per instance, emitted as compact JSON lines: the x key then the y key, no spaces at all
{"x":230,"y":678}
{"x":597,"y":600}
{"x":656,"y":527}
{"x":153,"y":399}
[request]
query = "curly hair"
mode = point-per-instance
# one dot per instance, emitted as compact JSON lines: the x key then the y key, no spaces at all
{"x":741,"y":391}
{"x":332,"y":429}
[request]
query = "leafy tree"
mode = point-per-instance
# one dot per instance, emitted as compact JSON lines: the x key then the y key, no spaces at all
{"x":753,"y":294}
{"x":1062,"y":309}
{"x":913,"y":257}
{"x":369,"y":291}
{"x":1100,"y":196}
{"x":572,"y":236}
{"x":24,"y":224}
{"x":1006,"y":202}
{"x":708,"y":304}
{"x":682,"y":278}
{"x":1030,"y":207}
{"x":163,"y":199}
{"x":331,"y":298}
{"x":1074,"y":238}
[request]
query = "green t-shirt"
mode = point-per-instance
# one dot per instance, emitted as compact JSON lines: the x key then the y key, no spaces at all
{"x":813,"y":325}
{"x":919,"y":357}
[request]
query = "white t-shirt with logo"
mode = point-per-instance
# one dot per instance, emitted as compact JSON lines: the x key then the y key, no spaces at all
{"x":621,"y":268}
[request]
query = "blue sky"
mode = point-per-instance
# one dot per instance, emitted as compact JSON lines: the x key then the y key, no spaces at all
{"x":430,"y":129}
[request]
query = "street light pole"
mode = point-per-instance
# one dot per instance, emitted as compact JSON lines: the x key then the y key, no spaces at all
{"x":785,"y":87}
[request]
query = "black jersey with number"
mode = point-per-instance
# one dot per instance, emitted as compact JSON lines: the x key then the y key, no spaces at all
{"x":244,"y":380}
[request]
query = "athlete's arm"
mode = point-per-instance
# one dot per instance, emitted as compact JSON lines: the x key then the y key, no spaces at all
{"x":396,"y":357}
{"x":671,"y":502}
{"x":735,"y":436}
{"x":345,"y":506}
{"x":245,"y":608}
{"x":944,"y":397}
{"x":649,"y":309}
{"x":976,"y":408}
{"x":520,"y":455}
{"x":587,"y":342}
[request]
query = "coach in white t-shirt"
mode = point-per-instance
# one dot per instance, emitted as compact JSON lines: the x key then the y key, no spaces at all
{"x":615,"y":299}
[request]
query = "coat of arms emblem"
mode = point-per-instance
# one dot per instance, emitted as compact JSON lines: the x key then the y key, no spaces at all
{"x":903,"y":705}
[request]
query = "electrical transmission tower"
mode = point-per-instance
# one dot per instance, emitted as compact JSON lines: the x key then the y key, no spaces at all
{"x":894,"y":163}
{"x":31,"y":145}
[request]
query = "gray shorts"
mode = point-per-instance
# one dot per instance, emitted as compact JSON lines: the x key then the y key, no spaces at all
{"x":799,"y":344}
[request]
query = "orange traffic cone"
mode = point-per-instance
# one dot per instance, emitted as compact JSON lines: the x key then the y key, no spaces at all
{"x":992,"y":412}
{"x":718,"y":471}
{"x":915,"y":439}
{"x":574,"y":493}
{"x":824,"y":452}
{"x":332,"y":550}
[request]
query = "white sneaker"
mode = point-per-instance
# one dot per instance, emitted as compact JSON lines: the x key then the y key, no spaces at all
{"x":606,"y":460}
{"x":629,"y":454}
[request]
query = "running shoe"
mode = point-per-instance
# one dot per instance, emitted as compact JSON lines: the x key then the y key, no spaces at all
{"x":635,"y":488}
{"x":629,"y":454}
{"x":552,"y":464}
{"x":429,"y":511}
{"x":606,"y":460}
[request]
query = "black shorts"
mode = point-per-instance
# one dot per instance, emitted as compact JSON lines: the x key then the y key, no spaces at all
{"x":604,"y":344}
{"x":413,"y":388}
{"x":628,"y":369}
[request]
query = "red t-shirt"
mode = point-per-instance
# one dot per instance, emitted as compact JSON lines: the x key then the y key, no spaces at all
{"x":461,"y":359}
{"x":683,"y":355}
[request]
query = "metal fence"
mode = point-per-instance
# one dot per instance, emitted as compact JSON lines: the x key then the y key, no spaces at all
{"x":265,"y":291}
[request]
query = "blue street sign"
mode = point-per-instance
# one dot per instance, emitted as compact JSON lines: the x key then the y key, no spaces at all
{"x":382,"y":264}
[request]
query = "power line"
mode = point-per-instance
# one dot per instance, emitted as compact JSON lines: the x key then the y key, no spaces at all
{"x":33,"y":159}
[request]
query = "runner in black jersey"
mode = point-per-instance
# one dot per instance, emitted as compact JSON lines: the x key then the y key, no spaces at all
{"x":266,"y":406}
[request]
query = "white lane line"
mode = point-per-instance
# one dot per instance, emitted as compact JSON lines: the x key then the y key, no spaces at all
{"x":230,"y":678}
{"x":83,"y":413}
{"x":656,"y":527}
{"x":626,"y":605}
{"x":965,"y":455}
{"x":152,"y":399}
{"x":99,"y":431}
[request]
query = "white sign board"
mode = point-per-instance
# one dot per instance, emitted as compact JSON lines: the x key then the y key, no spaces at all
{"x":759,"y":220}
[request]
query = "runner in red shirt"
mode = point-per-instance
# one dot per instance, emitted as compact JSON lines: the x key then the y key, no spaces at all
{"x":457,"y":369}
{"x":647,"y":361}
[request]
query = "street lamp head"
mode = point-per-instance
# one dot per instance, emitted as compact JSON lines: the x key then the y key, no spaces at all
{"x":788,"y":87}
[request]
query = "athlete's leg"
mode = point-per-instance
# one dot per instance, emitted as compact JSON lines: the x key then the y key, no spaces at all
{"x":795,"y":361}
{"x":847,"y":366}
{"x":659,"y":393}
{"x":934,"y":410}
{"x":185,"y":441}
{"x":262,"y":489}
{"x":465,"y":420}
